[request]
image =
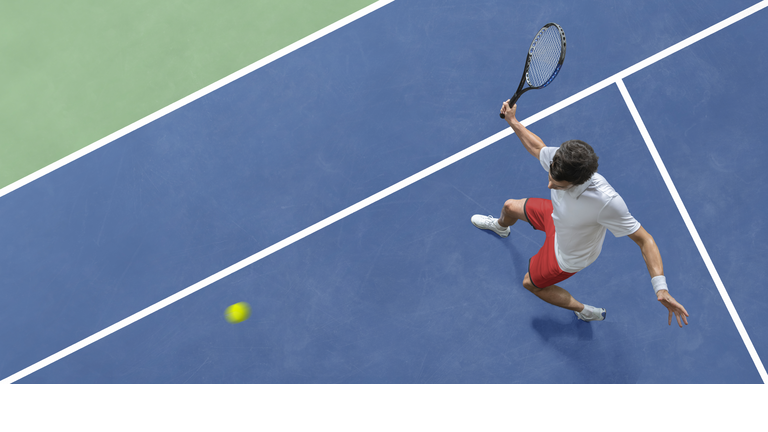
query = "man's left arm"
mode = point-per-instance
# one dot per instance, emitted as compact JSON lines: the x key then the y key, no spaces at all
{"x":652,"y":259}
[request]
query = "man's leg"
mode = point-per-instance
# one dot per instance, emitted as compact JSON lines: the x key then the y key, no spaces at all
{"x":512,"y":211}
{"x":554,"y":295}
{"x":557,"y":296}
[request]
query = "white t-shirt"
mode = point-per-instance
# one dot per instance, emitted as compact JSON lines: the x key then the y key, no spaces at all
{"x":582,"y":214}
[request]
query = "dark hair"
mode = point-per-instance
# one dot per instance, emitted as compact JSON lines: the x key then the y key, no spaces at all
{"x":575,"y":162}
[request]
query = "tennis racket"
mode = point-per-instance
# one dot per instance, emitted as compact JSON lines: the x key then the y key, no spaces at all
{"x":545,"y":58}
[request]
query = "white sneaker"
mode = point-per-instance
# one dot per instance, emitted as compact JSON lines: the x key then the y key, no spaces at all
{"x":585,"y":317}
{"x":487,"y":223}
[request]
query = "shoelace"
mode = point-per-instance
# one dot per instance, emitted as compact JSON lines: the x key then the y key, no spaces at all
{"x":489,"y":222}
{"x":492,"y":226}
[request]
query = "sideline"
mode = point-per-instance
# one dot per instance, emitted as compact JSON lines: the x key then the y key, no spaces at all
{"x":193,"y":97}
{"x":692,"y":230}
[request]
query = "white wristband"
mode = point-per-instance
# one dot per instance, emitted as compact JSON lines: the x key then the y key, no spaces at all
{"x":659,"y":283}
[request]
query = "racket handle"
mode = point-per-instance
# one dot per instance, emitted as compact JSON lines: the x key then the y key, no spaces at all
{"x":511,"y":103}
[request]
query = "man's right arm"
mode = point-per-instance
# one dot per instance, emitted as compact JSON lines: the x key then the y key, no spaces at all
{"x":530,"y":140}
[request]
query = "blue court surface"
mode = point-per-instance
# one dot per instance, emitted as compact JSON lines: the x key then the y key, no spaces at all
{"x":402,"y":288}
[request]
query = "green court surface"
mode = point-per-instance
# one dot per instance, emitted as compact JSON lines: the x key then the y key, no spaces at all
{"x":72,"y":72}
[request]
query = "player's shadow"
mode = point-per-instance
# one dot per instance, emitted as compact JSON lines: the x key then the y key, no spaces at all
{"x":518,"y":259}
{"x":603,"y":359}
{"x":546,"y":327}
{"x":550,"y":329}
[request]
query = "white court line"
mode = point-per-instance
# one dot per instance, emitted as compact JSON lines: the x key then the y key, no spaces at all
{"x":194,"y":96}
{"x":258,"y":256}
{"x":386,"y":192}
{"x":692,"y":229}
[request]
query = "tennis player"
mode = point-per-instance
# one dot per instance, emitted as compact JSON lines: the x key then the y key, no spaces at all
{"x":582,"y":206}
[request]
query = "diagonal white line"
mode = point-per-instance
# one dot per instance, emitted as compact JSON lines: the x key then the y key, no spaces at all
{"x":256,"y":257}
{"x":365,"y":11}
{"x":692,"y":230}
{"x":194,"y":96}
{"x":692,"y":39}
{"x":370,"y":200}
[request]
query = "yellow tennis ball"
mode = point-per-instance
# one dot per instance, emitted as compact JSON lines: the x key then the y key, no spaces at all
{"x":238,"y":312}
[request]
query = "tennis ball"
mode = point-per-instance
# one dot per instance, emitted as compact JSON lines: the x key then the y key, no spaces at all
{"x":238,"y":312}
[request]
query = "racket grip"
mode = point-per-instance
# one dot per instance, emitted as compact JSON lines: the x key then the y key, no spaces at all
{"x":502,"y":114}
{"x":511,"y":103}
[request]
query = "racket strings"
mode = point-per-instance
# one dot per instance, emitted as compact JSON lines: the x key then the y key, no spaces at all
{"x":546,"y":53}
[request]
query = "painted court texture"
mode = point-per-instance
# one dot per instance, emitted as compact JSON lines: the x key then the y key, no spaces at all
{"x":332,"y":187}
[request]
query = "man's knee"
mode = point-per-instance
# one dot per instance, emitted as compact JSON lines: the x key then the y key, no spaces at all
{"x":515,"y":208}
{"x":529,"y":285}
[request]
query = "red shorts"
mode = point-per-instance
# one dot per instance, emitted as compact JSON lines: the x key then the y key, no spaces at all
{"x":543,"y":268}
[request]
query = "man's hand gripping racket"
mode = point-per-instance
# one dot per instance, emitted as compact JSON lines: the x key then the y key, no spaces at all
{"x":545,"y":58}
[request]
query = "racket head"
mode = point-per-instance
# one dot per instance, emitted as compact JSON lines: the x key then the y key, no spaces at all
{"x":545,"y":56}
{"x":543,"y":62}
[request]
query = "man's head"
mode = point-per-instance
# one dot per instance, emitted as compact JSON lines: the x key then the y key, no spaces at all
{"x":573,"y":164}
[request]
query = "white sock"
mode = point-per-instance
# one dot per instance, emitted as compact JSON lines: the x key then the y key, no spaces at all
{"x":496,"y":224}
